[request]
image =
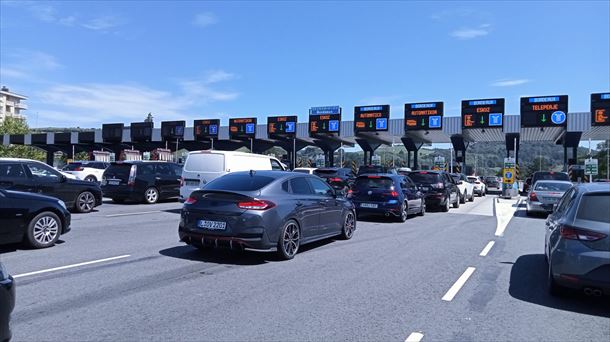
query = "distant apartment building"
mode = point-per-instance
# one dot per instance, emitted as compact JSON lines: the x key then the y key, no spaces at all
{"x":11,"y":105}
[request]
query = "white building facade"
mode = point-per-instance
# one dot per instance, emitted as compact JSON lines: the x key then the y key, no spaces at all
{"x":11,"y":104}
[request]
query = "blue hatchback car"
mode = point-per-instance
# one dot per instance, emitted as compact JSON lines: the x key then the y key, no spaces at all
{"x":390,"y":195}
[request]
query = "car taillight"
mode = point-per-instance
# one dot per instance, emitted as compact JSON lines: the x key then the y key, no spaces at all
{"x":374,"y":177}
{"x":394,"y":194}
{"x":256,"y":204}
{"x":477,"y":182}
{"x":79,"y":168}
{"x":335,"y":179}
{"x":181,"y":181}
{"x":132,"y":176}
{"x":571,"y":233}
{"x":438,"y":185}
{"x":533,"y":196}
{"x":190,"y":200}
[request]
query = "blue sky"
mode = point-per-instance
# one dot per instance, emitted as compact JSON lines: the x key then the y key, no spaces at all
{"x":85,"y":63}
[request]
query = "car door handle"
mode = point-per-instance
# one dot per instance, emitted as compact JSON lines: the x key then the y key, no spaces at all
{"x":157,"y":178}
{"x":299,"y":204}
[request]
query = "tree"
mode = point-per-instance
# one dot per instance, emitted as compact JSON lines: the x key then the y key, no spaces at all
{"x":149,"y":118}
{"x":18,"y":126}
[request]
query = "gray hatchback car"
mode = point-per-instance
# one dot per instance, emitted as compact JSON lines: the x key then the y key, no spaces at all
{"x":577,"y":242}
{"x":265,"y":211}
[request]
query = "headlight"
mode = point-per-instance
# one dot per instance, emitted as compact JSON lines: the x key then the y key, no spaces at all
{"x":62,"y":204}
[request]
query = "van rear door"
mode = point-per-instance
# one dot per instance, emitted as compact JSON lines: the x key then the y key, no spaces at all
{"x":199,"y":169}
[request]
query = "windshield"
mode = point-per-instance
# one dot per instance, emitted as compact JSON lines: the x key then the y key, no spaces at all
{"x":425,"y":178}
{"x":549,"y":186}
{"x":551,"y":176}
{"x":325,"y":173}
{"x":374,"y":183}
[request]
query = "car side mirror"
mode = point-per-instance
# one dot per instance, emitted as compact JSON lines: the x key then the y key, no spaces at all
{"x":63,"y":179}
{"x":555,"y":207}
{"x":460,"y":183}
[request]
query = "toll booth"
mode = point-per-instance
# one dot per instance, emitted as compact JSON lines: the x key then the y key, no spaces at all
{"x":423,"y":123}
{"x":371,"y":124}
{"x":162,"y":154}
{"x":102,"y":156}
{"x":129,"y":155}
{"x":325,"y":130}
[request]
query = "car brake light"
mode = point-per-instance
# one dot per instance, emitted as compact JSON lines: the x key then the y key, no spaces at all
{"x":373,"y":176}
{"x":256,"y":204}
{"x":132,"y":176}
{"x":335,"y":179}
{"x":533,"y":196}
{"x":394,"y":194}
{"x":78,"y":168}
{"x":190,"y":200}
{"x":571,"y":233}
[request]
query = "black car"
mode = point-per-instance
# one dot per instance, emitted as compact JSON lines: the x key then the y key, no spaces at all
{"x":440,"y":189}
{"x":7,"y":303}
{"x":374,"y":169}
{"x":387,"y":194}
{"x":340,"y":179}
{"x":147,"y":181}
{"x":491,"y":182}
{"x":265,"y":211}
{"x":35,"y":219}
{"x":33,"y":176}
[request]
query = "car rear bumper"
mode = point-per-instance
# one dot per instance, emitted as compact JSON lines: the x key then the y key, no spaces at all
{"x":436,"y":200}
{"x":538,"y":207}
{"x":255,"y":239}
{"x":121,"y":192}
{"x":383,"y":208}
{"x":576,"y":266}
{"x":7,"y":304}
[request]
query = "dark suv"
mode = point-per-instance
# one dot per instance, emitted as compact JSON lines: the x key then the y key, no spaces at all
{"x":544,"y":175}
{"x":33,"y":176}
{"x":440,"y":188}
{"x":147,"y":181}
{"x":340,"y":179}
{"x":387,"y":194}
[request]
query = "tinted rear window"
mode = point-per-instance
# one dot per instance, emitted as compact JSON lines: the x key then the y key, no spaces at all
{"x":244,"y":182}
{"x":374,"y":183}
{"x":72,"y":166}
{"x":325,"y":172}
{"x":594,"y":207}
{"x":425,"y":178}
{"x":546,"y":186}
{"x":205,"y":162}
{"x":119,"y":171}
{"x":371,"y":169}
{"x":301,"y":171}
{"x":551,"y":176}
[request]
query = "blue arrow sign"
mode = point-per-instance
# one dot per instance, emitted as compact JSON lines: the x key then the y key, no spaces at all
{"x":381,"y":124}
{"x":290,"y":127}
{"x":558,"y":117}
{"x":250,"y":128}
{"x":333,"y":126}
{"x":213,"y":129}
{"x":495,"y":119}
{"x":435,"y":121}
{"x":508,"y":175}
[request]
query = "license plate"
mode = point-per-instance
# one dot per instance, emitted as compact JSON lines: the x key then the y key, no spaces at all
{"x":368,"y":205}
{"x":551,"y":200}
{"x":425,"y":188}
{"x":213,"y":225}
{"x":114,"y":181}
{"x":192,"y":183}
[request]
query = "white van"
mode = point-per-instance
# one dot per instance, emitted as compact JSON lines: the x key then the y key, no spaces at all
{"x":201,"y":167}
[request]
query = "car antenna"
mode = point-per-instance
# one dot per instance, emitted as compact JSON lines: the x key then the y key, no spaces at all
{"x":252,"y":172}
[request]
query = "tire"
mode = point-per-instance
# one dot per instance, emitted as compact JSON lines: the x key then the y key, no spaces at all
{"x":445,"y":208}
{"x":118,"y":200}
{"x":463,"y":197}
{"x":151,"y":195}
{"x":349,"y":225}
{"x":471,"y":198}
{"x":90,"y":178}
{"x":457,"y":202}
{"x":422,"y":212}
{"x":85,"y":202}
{"x":404,"y":212}
{"x":44,"y":230}
{"x":554,"y":289}
{"x":289,"y":241}
{"x":485,"y":193}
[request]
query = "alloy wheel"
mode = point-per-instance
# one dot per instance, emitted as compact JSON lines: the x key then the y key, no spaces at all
{"x":45,"y":230}
{"x":151,"y":195}
{"x":291,"y":239}
{"x":349,"y":225}
{"x":404,"y":212}
{"x":86,"y":202}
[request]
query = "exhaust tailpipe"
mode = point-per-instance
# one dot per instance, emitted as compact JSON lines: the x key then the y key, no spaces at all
{"x":597,"y":292}
{"x":387,"y":214}
{"x":588,"y":291}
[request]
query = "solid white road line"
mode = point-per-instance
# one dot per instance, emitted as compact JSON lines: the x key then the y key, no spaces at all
{"x":458,"y":284}
{"x":505,"y":211}
{"x":136,"y":213}
{"x":414,"y":337}
{"x":71,"y":266}
{"x":487,"y":248}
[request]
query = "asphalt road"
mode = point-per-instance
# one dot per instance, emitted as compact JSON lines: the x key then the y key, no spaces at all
{"x":391,"y":282}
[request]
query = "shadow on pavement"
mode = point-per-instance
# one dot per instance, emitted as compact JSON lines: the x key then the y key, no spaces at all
{"x":218,"y":256}
{"x":534,"y":216}
{"x":173,"y":211}
{"x":528,"y":283}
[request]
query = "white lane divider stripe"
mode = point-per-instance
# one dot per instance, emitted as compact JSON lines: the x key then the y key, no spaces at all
{"x":458,"y":284}
{"x":414,"y":337}
{"x":136,"y":213}
{"x":71,"y":266}
{"x":487,"y":248}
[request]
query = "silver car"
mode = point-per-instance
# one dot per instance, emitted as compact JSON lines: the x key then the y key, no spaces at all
{"x":544,"y":195}
{"x":577,"y":242}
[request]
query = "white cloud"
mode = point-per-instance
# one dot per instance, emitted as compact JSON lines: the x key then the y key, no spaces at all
{"x":103,"y":23}
{"x":510,"y":82}
{"x":205,"y":19}
{"x":215,"y":76}
{"x":470,"y":33}
{"x":25,"y":64}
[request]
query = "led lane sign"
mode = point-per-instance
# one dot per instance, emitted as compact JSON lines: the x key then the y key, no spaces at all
{"x":172,"y":130}
{"x":371,"y":118}
{"x":141,"y":131}
{"x":324,"y":120}
{"x":487,"y":113}
{"x":112,"y":132}
{"x":544,"y":111}
{"x":242,"y":128}
{"x":206,"y":129}
{"x":423,"y":116}
{"x":600,"y":109}
{"x":282,"y":126}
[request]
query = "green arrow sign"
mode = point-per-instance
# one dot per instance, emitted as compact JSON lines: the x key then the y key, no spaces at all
{"x":543,"y":118}
{"x":482,"y":120}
